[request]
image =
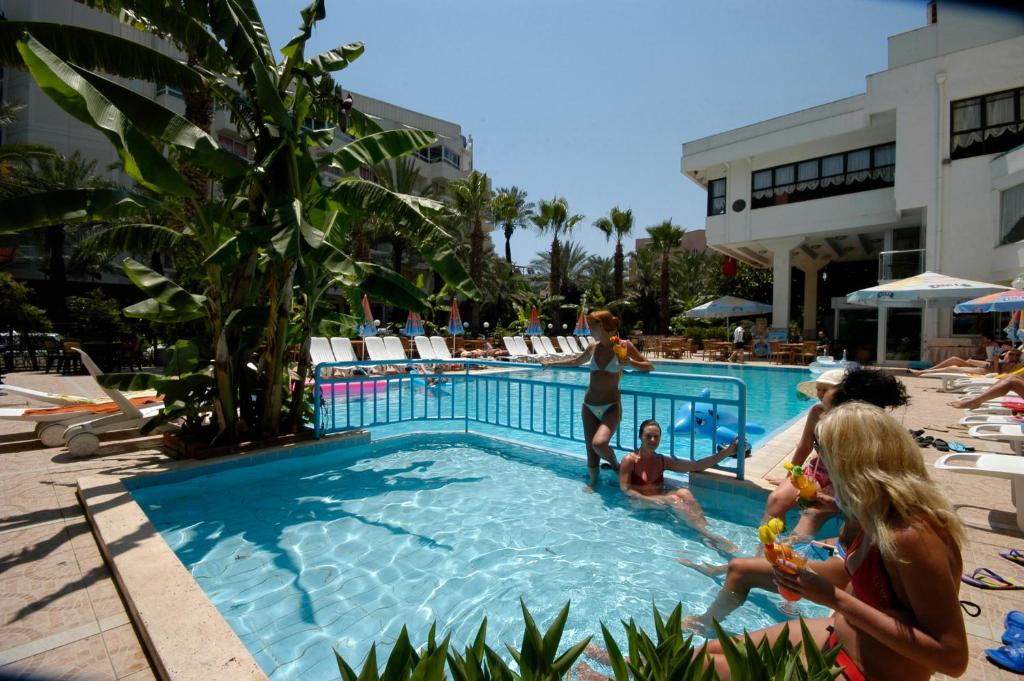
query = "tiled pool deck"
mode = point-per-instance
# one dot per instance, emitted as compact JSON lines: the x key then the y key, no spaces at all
{"x":61,"y":616}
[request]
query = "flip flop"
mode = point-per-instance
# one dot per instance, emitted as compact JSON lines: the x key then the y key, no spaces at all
{"x":924,"y":441}
{"x":1014,"y":620}
{"x":961,"y":447}
{"x":916,"y":433}
{"x":1013,"y":637}
{"x":1007,"y":657}
{"x":1014,"y":556}
{"x":972,"y":609}
{"x":983,"y":578}
{"x":940,"y":445}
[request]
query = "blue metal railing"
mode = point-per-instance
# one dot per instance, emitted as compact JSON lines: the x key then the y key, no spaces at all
{"x":512,"y":399}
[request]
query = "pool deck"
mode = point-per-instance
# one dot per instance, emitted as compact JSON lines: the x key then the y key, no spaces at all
{"x":62,"y":616}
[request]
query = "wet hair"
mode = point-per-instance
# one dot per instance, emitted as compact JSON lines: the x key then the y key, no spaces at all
{"x":880,"y":476}
{"x":648,"y":422}
{"x":872,"y":386}
{"x":606,"y":319}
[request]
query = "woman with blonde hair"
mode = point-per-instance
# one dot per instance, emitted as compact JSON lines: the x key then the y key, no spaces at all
{"x":602,"y":408}
{"x":896,"y":609}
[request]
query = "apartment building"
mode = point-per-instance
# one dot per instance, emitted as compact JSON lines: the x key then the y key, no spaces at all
{"x":923,"y":171}
{"x":41,"y":121}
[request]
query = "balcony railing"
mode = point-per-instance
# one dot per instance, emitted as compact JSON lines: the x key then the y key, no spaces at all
{"x":894,"y":265}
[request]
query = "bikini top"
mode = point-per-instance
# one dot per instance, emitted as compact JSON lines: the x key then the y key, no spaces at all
{"x":642,"y":478}
{"x":611,"y":367}
{"x":871,"y":582}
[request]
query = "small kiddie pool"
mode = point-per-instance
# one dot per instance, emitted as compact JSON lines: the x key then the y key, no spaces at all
{"x":341,"y":547}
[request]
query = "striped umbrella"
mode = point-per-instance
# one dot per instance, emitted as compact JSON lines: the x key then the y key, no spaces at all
{"x":455,"y":322}
{"x":1000,"y":301}
{"x":582,"y":327}
{"x":413,"y":325}
{"x":367,"y":328}
{"x":534,"y":327}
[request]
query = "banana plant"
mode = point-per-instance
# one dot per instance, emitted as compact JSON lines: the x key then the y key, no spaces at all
{"x":275,"y":234}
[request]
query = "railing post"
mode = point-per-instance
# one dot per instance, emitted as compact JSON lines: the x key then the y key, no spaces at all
{"x":317,"y":404}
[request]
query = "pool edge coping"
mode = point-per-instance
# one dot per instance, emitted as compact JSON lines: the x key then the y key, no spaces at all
{"x":183,"y":632}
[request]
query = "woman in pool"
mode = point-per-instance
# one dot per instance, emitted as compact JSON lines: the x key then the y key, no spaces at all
{"x":896,"y":608}
{"x":602,"y":409}
{"x":642,"y":475}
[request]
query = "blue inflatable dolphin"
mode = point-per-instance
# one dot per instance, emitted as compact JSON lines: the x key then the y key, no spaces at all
{"x":708,"y":420}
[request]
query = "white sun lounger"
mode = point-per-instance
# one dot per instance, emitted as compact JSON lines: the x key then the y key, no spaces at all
{"x":394,"y":347}
{"x":513,"y":349}
{"x":82,"y":439}
{"x":1011,"y":434}
{"x":569,"y":343}
{"x":550,"y":348}
{"x":423,"y":347}
{"x":538,"y":346}
{"x":524,"y":349}
{"x":343,"y":350}
{"x":58,"y":399}
{"x":378,"y":352}
{"x":981,"y":419}
{"x":993,"y":465}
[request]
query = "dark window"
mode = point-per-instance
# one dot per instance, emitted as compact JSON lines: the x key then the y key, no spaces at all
{"x":1011,"y":227}
{"x":816,"y":178}
{"x":987,"y":124}
{"x":716,"y":197}
{"x":430,"y":154}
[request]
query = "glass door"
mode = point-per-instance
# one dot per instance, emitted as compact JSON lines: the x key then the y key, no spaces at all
{"x":903,"y":334}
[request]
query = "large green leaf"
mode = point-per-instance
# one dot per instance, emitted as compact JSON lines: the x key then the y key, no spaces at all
{"x":184,"y":24}
{"x":66,"y":206}
{"x":98,"y":51}
{"x":168,"y":302}
{"x":156,"y":120}
{"x":138,"y":238}
{"x":332,"y":60}
{"x":80,"y":99}
{"x":361,"y":125}
{"x":311,"y":13}
{"x":385,"y":284}
{"x":377,"y":148}
{"x":359,"y":197}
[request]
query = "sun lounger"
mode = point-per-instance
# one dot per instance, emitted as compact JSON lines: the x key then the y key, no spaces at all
{"x":524,"y":349}
{"x":565,"y":348}
{"x":538,"y":347}
{"x":343,"y":350}
{"x":550,"y":348}
{"x":45,"y":397}
{"x":980,"y":419}
{"x":1011,"y":434}
{"x":82,"y":438}
{"x":442,"y":352}
{"x":993,"y":465}
{"x":514,"y":352}
{"x":569,"y":343}
{"x":394,"y":347}
{"x":423,"y":347}
{"x":376,"y":351}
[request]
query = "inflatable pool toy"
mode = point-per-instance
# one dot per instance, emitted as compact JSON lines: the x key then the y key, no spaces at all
{"x":355,"y":390}
{"x":431,"y":384}
{"x":767,"y":534}
{"x":710,"y":421}
{"x":808,"y":488}
{"x":827,"y":363}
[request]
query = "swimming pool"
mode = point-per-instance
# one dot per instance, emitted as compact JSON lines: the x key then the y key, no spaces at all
{"x":341,"y":547}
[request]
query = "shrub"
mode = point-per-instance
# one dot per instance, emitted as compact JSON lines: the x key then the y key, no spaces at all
{"x":96,"y":317}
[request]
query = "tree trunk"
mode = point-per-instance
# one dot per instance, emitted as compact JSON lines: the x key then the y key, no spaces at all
{"x":619,"y":261}
{"x":476,"y":268}
{"x":555,"y":283}
{"x":664,"y":297}
{"x":56,"y":270}
{"x":509,"y":230}
{"x":397,"y":254}
{"x":274,"y":349}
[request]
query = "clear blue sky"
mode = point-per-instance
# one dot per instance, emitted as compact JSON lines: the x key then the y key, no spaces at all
{"x":592,"y":99}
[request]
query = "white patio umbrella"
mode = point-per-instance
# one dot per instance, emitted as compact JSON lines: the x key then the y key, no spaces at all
{"x":923,"y":288}
{"x":729,"y":306}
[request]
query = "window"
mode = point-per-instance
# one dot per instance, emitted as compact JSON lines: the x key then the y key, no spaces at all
{"x":816,"y":178}
{"x":1011,"y":223}
{"x":716,"y":196}
{"x":430,"y":154}
{"x":987,"y":124}
{"x":451,"y":158}
{"x":236,"y":147}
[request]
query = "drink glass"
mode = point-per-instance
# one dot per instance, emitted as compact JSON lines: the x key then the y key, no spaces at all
{"x":792,"y":552}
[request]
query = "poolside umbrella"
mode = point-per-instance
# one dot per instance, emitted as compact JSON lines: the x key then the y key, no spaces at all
{"x":455,"y":322}
{"x":533,"y":329}
{"x":413,"y":325}
{"x":367,"y":328}
{"x":923,"y":288}
{"x":1001,"y":301}
{"x":729,"y":306}
{"x":582,"y":327}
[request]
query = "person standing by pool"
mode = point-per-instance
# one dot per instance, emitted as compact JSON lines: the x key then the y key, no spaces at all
{"x":642,"y":475}
{"x":896,"y":608}
{"x":602,"y":408}
{"x":737,"y":344}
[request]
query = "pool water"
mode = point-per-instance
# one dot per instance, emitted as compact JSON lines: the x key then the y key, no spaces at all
{"x":338,"y":548}
{"x":772,"y":403}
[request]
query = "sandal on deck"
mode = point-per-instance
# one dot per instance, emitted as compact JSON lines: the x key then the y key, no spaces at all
{"x":1007,"y":657}
{"x":961,"y":448}
{"x":1014,"y":556}
{"x":940,"y":445}
{"x":983,"y":578}
{"x":924,"y":441}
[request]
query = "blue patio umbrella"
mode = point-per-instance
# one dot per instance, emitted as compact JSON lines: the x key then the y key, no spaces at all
{"x":582,"y":326}
{"x":533,"y":329}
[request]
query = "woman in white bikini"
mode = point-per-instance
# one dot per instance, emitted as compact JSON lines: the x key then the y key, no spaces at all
{"x":602,"y":409}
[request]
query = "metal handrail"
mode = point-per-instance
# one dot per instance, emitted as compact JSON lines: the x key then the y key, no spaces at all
{"x":429,"y":405}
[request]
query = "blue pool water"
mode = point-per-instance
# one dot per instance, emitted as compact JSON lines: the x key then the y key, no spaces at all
{"x":338,"y":548}
{"x":553,"y":405}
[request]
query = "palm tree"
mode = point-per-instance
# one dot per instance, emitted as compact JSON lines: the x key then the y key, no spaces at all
{"x":665,"y":238}
{"x":618,"y":224}
{"x":402,"y":176}
{"x":575,"y":267}
{"x":553,"y":216}
{"x":642,"y":292}
{"x":512,"y":212}
{"x":471,"y":201}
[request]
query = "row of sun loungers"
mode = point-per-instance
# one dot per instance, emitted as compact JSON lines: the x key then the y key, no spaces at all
{"x":542,"y":346}
{"x":378,"y":349}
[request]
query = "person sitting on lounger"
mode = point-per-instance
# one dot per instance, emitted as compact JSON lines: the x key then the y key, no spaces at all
{"x":1009,"y":360}
{"x":1009,"y":384}
{"x":896,"y":610}
{"x":642,"y":475}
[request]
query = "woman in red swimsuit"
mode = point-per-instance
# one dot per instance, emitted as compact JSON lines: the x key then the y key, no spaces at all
{"x":896,"y":607}
{"x":642,"y":475}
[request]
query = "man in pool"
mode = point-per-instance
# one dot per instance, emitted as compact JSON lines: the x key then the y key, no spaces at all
{"x":642,"y":475}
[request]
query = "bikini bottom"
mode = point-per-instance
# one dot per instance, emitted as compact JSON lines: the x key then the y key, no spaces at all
{"x":599,"y":410}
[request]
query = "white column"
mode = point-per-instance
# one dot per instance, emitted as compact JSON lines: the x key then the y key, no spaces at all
{"x":781,"y":273}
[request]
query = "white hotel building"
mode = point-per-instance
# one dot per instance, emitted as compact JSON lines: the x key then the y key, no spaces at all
{"x":924,"y":171}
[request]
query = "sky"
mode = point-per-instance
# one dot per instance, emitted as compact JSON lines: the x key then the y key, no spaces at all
{"x":592,"y":99}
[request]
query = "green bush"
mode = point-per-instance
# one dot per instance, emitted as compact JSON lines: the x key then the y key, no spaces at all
{"x":96,"y":317}
{"x":670,"y":656}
